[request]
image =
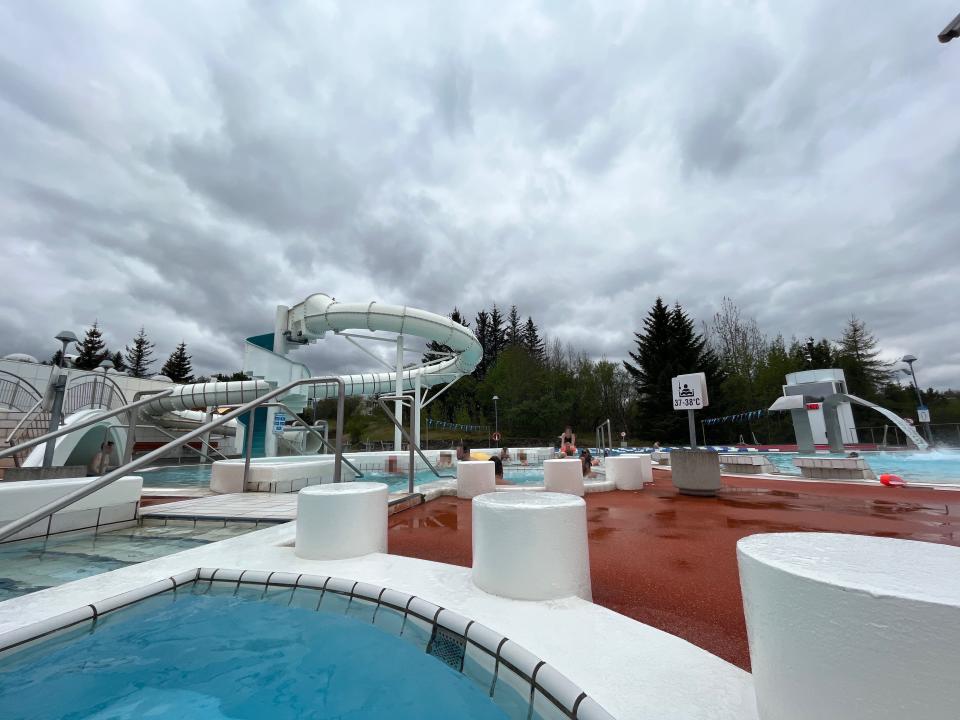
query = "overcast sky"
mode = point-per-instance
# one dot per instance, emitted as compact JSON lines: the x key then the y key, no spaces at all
{"x":188,"y":166}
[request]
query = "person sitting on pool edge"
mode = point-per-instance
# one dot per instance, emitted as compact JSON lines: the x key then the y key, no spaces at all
{"x":568,"y":441}
{"x":98,"y":463}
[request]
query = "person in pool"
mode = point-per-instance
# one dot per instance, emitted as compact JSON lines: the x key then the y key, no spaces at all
{"x":498,"y":471}
{"x":587,"y":462}
{"x":568,"y":441}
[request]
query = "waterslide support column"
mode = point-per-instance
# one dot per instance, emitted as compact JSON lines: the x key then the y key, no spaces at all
{"x":398,"y":390}
{"x":416,"y":409}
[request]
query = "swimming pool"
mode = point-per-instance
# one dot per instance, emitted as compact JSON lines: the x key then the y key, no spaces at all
{"x":215,"y":650}
{"x":936,"y":466}
{"x":30,"y":565}
{"x":198,"y":476}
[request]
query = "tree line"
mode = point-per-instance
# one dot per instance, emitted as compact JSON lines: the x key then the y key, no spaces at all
{"x":136,"y":359}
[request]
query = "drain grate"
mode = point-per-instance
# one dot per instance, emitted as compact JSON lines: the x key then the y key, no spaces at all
{"x":448,"y":647}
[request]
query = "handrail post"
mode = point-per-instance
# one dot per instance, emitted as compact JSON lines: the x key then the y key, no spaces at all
{"x":248,"y":441}
{"x":338,"y":453}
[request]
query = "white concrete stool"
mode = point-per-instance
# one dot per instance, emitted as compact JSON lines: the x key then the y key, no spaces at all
{"x":563,"y":476}
{"x":629,"y":472}
{"x":531,"y":546}
{"x":341,"y":520}
{"x":475,"y":477}
{"x":851,"y":627}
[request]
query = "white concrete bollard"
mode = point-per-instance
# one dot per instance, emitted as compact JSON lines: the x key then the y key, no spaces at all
{"x":629,"y":472}
{"x":531,"y":546}
{"x":851,"y":627}
{"x":475,"y":477}
{"x":563,"y":476}
{"x":341,"y":520}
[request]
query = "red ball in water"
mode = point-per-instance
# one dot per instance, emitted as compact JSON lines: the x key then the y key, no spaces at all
{"x":891,"y":480}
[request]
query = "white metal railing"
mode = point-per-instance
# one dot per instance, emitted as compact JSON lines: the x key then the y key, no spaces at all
{"x":104,"y":480}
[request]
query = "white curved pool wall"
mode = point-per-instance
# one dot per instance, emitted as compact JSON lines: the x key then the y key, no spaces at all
{"x":563,"y":476}
{"x":531,"y":546}
{"x":341,"y":521}
{"x":629,"y":472}
{"x":114,"y":506}
{"x":475,"y":477}
{"x":850,"y":627}
{"x":78,"y":448}
{"x":276,"y":474}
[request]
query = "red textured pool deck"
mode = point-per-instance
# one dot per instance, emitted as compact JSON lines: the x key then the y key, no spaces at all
{"x":670,"y":561}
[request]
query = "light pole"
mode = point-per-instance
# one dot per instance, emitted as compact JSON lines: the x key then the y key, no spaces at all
{"x":106,"y":365}
{"x":910,"y":360}
{"x":59,"y":385}
{"x":496,"y":420}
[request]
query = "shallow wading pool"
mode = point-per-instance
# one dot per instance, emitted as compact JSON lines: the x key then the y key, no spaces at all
{"x":221,"y":653}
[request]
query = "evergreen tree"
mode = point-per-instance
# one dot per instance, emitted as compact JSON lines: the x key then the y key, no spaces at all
{"x":532,"y":342}
{"x":497,"y":334}
{"x":668,"y":346}
{"x":514,"y":328}
{"x":817,"y":355}
{"x":117,"y":359}
{"x":857,"y":356}
{"x":482,"y":323}
{"x":92,"y":350}
{"x":178,"y":367}
{"x":138,"y":356}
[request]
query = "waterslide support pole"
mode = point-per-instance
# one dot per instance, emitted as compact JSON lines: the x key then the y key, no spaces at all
{"x":416,"y":409}
{"x":398,"y":390}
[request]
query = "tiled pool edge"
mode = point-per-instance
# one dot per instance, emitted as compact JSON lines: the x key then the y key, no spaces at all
{"x":566,"y":697}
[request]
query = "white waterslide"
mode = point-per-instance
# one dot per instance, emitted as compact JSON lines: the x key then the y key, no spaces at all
{"x":306,"y":322}
{"x":905,"y":427}
{"x":319,"y":314}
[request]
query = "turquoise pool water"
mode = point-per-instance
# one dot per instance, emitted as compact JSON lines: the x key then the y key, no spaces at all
{"x":30,"y":565}
{"x":187,"y":476}
{"x":936,"y":466}
{"x":195,"y":656}
{"x":198,"y":476}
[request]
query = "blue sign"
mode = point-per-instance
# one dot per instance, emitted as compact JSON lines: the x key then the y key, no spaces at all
{"x":279,"y":421}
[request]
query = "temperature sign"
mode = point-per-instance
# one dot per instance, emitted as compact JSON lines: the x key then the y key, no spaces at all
{"x":690,"y":392}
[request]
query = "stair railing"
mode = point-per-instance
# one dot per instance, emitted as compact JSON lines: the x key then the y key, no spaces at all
{"x":105,"y":480}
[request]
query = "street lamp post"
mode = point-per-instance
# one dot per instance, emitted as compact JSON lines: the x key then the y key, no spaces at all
{"x":496,"y":420}
{"x":106,"y":365}
{"x":910,"y":360}
{"x":59,"y":385}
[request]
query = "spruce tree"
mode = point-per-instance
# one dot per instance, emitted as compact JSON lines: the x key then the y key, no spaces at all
{"x":857,"y":356}
{"x":178,"y":367}
{"x":118,"y":363}
{"x":514,"y":327}
{"x":497,"y":335}
{"x":482,"y":323}
{"x":668,"y":346}
{"x":532,"y":341}
{"x":92,"y":350}
{"x":138,"y":357}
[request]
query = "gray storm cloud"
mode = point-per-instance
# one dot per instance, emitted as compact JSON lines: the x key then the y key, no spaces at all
{"x":188,"y":166}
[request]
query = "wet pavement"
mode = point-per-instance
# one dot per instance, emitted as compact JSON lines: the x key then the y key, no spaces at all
{"x":670,"y":560}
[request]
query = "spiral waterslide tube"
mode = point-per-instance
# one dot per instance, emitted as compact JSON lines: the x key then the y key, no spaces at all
{"x":320,"y":313}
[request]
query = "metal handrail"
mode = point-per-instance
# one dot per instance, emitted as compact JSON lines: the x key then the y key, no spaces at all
{"x":78,"y":426}
{"x":381,"y":400}
{"x":18,"y":383}
{"x":104,"y":480}
{"x":313,"y":430}
{"x":299,"y":419}
{"x":187,"y":445}
{"x":27,"y":415}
